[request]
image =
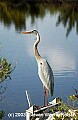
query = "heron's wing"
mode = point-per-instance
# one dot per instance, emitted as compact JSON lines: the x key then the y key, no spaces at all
{"x":46,"y":76}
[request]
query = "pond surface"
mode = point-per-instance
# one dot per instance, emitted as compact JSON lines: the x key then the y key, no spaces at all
{"x":59,"y":46}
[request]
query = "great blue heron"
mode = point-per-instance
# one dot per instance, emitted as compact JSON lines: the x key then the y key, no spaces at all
{"x":44,"y":69}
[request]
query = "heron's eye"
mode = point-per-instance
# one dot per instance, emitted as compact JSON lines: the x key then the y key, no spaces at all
{"x":41,"y":63}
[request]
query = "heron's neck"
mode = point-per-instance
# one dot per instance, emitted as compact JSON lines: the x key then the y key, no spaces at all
{"x":36,"y":53}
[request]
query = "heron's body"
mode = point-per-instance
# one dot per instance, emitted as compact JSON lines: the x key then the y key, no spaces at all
{"x":44,"y":70}
{"x":46,"y":75}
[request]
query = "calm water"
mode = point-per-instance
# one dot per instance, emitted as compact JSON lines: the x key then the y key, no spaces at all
{"x":60,"y":51}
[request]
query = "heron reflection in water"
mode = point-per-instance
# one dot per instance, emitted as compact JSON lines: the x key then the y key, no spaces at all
{"x":44,"y":70}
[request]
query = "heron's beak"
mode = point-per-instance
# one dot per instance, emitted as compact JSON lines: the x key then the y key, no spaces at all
{"x":26,"y":32}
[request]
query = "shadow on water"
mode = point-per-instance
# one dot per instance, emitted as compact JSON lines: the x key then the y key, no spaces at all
{"x":17,"y":14}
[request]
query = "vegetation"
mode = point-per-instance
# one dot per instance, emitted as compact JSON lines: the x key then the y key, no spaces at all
{"x":1,"y":114}
{"x":5,"y":69}
{"x":68,"y":110}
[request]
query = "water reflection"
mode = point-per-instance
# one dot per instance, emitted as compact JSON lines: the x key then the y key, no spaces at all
{"x":10,"y":15}
{"x":2,"y":91}
{"x":64,"y":63}
{"x":68,"y":15}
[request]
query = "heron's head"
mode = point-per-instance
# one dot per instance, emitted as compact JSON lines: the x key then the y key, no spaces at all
{"x":29,"y":32}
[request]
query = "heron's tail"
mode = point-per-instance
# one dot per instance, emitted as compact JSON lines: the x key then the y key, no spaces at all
{"x":52,"y":88}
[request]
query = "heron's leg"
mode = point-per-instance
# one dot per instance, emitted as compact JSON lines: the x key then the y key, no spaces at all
{"x":44,"y":100}
{"x":45,"y":97}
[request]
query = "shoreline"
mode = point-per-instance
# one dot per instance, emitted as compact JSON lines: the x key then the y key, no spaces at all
{"x":53,"y":2}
